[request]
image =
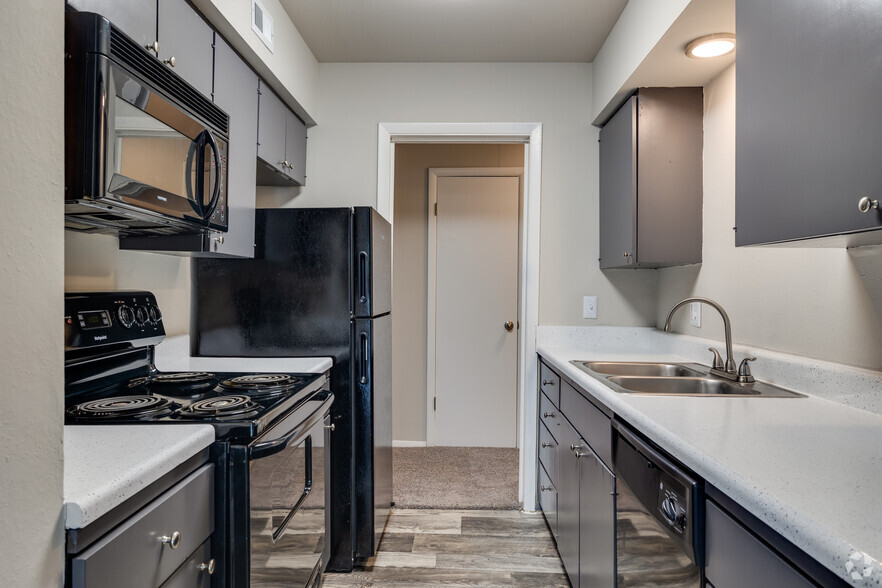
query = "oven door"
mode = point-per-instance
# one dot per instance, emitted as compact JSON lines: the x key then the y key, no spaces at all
{"x":288,"y":514}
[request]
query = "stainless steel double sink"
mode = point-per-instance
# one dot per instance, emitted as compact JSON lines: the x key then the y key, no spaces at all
{"x":675,"y":379}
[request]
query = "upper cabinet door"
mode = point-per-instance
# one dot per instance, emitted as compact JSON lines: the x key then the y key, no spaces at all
{"x":136,"y":19}
{"x":809,"y":134}
{"x":186,"y":40}
{"x":235,"y":91}
{"x":295,"y":148}
{"x":618,"y":187}
{"x":272,"y":119}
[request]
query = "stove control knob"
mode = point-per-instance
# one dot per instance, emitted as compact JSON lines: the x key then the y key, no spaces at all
{"x":681,"y":521}
{"x":126,"y":316}
{"x":155,"y":315}
{"x":669,"y":508}
{"x":141,"y":315}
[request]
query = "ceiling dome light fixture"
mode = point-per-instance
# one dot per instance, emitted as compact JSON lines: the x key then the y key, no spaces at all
{"x":715,"y":45}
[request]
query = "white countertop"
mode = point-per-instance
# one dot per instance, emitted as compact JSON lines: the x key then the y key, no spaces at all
{"x":173,"y":354}
{"x":104,"y":465}
{"x":809,"y":467}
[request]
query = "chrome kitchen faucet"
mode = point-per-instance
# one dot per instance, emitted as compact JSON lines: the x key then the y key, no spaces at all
{"x":727,"y":370}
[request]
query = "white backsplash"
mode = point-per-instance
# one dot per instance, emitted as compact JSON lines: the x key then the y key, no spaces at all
{"x":848,"y":385}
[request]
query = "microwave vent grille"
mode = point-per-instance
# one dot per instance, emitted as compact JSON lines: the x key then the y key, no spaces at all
{"x":131,"y":54}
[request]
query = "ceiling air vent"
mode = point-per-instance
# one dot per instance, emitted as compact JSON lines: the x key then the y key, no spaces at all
{"x":262,"y":23}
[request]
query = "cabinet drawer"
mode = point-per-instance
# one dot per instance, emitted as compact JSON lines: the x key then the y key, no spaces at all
{"x":737,"y":559}
{"x":549,"y":415}
{"x":134,"y":556}
{"x":549,"y":383}
{"x":548,"y":500}
{"x":592,"y":424}
{"x":190,"y":575}
{"x":548,"y":452}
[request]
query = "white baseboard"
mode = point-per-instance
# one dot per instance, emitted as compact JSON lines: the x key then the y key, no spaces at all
{"x":396,"y":443}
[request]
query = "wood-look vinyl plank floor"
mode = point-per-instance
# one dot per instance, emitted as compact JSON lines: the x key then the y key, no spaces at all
{"x":460,"y":548}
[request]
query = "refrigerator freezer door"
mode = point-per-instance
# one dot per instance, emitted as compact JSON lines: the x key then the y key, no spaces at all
{"x":372,"y":263}
{"x":372,"y":381}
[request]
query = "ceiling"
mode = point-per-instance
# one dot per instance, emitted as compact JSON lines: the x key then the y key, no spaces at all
{"x":454,"y":30}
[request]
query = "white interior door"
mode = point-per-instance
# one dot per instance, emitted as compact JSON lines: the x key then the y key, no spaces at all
{"x":475,"y":311}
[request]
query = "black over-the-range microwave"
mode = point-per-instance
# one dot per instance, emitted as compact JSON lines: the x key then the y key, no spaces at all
{"x":145,"y":152}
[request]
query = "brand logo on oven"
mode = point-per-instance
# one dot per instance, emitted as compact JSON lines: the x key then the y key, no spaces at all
{"x":100,"y":337}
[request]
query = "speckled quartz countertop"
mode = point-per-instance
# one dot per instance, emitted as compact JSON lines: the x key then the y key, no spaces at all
{"x":810,"y":468}
{"x":106,"y":465}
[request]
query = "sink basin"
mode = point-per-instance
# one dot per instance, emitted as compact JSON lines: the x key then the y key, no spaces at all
{"x":691,"y":386}
{"x":640,"y":368}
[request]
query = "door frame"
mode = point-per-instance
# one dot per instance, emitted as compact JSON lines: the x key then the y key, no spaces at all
{"x":434,"y":174}
{"x":529,"y":134}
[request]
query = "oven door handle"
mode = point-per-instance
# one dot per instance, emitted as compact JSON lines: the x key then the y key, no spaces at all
{"x":277,"y":444}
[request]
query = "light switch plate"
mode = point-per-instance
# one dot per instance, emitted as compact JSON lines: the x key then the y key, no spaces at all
{"x":695,"y":314}
{"x":589,"y":307}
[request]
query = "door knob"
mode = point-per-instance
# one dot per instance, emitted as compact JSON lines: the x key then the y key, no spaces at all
{"x":509,"y":326}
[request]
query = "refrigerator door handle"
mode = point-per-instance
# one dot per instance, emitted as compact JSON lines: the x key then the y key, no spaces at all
{"x":363,"y":360}
{"x":362,"y":276}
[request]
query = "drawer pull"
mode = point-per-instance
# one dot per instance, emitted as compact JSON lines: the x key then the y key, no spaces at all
{"x":546,"y":488}
{"x":209,"y":567}
{"x":547,"y":382}
{"x":548,"y":415}
{"x":331,"y":427}
{"x":547,"y":444}
{"x":174,"y":541}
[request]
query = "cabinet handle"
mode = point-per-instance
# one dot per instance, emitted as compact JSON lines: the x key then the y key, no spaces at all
{"x":174,"y":541}
{"x":575,"y":447}
{"x":331,"y":427}
{"x":580,"y":455}
{"x":547,"y":444}
{"x":545,"y":488}
{"x":865,"y":204}
{"x":209,"y":567}
{"x":170,"y":61}
{"x":548,"y":415}
{"x":219,"y":239}
{"x":547,"y":382}
{"x":286,"y":164}
{"x":154,"y":46}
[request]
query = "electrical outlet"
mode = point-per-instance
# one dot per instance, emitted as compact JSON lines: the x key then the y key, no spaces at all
{"x":589,"y":307}
{"x":695,"y":314}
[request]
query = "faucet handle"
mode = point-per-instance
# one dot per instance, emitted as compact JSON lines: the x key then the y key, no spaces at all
{"x":718,"y":359}
{"x":744,"y":374}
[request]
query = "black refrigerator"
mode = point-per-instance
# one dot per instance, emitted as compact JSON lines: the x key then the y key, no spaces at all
{"x":320,"y":284}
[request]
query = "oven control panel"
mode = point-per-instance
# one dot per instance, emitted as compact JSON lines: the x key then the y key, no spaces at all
{"x":111,"y":318}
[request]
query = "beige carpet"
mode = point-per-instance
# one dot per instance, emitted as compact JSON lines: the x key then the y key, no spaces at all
{"x":465,"y":478}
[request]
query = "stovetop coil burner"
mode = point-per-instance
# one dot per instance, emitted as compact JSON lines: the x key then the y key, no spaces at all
{"x":223,"y":406}
{"x":124,"y":407}
{"x":177,"y":383}
{"x":260,"y":385}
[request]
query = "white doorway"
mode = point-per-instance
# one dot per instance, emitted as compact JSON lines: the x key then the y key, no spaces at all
{"x":473,"y":307}
{"x":530,"y":135}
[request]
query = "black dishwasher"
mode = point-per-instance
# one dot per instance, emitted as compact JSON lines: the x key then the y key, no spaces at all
{"x":659,"y":516}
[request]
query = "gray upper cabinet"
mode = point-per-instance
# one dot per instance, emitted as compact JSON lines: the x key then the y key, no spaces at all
{"x":281,"y":142}
{"x":187,"y":41}
{"x":651,"y":180}
{"x":235,"y":91}
{"x":808,"y":128}
{"x":136,"y":19}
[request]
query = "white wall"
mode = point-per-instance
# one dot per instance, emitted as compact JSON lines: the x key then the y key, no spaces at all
{"x":94,"y":263}
{"x":342,"y":161}
{"x":31,"y":239}
{"x":818,"y":302}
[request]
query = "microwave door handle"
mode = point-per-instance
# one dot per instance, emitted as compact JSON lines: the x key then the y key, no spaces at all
{"x":195,"y":147}
{"x":209,"y":139}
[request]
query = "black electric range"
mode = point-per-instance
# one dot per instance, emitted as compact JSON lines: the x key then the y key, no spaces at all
{"x":270,"y":428}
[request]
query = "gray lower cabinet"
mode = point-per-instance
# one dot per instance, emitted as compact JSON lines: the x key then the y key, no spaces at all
{"x":148,"y":548}
{"x":186,"y":43}
{"x":808,"y":130}
{"x":651,"y":180}
{"x":576,"y":487}
{"x":136,"y":19}
{"x":281,"y":142}
{"x":737,"y":559}
{"x":235,"y":91}
{"x":196,"y":572}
